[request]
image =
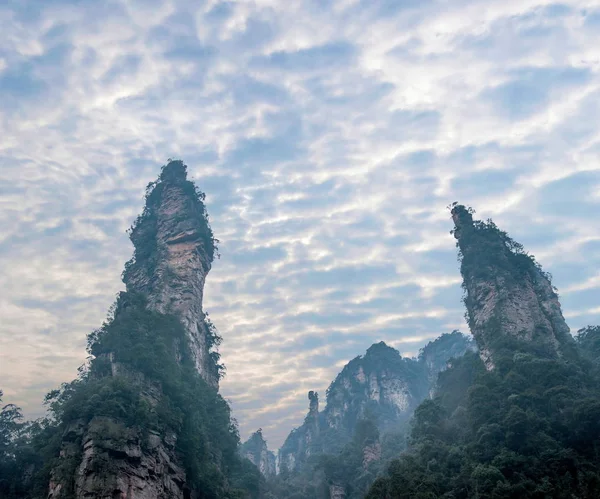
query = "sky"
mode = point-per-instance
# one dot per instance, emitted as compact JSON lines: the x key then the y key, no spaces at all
{"x":329,"y":137}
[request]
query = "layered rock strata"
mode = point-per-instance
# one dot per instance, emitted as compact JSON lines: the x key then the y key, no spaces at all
{"x":140,"y":468}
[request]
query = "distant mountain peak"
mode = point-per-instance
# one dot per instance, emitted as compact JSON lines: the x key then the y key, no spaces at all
{"x":380,"y":384}
{"x":380,"y":347}
{"x":256,"y":451}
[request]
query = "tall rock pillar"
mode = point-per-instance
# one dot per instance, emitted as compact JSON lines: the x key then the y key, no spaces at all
{"x":141,"y":423}
{"x":174,"y":250}
{"x":509,"y":298}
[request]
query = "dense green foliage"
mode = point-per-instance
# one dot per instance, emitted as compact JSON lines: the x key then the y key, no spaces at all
{"x":27,"y":452}
{"x":588,"y":340}
{"x":150,"y":343}
{"x":155,"y":389}
{"x":530,"y":428}
{"x":10,"y":427}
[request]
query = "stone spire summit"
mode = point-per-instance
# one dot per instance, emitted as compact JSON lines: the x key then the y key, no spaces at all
{"x":174,"y":251}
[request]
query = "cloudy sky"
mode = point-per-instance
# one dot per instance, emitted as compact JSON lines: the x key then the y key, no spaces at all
{"x":329,"y":137}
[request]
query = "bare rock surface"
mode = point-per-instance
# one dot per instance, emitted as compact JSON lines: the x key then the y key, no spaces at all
{"x":256,"y":451}
{"x":336,"y":492}
{"x":371,"y":453}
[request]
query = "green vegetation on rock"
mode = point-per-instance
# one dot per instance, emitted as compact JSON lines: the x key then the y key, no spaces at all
{"x":519,"y":418}
{"x":530,"y":429}
{"x":522,"y":418}
{"x":141,"y":400}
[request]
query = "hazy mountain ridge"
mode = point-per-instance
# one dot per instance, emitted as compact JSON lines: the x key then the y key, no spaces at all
{"x":381,"y":385}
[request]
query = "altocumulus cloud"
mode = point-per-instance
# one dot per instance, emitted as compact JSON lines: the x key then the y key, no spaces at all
{"x":329,"y":137}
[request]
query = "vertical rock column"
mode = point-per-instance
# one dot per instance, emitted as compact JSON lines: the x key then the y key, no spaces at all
{"x":508,"y":296}
{"x":174,"y":250}
{"x":302,"y":441}
{"x":110,"y":457}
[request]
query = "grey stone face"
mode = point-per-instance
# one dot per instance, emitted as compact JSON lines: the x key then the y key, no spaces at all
{"x":115,"y":462}
{"x":172,"y":276}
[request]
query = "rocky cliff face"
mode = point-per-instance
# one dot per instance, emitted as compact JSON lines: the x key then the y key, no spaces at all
{"x":380,"y":385}
{"x":508,"y":296}
{"x":174,"y":250}
{"x":114,"y":462}
{"x":256,"y":451}
{"x":124,"y":440}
